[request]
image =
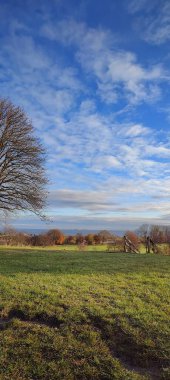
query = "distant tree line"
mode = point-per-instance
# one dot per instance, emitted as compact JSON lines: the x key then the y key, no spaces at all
{"x":54,"y":237}
{"x":160,"y":236}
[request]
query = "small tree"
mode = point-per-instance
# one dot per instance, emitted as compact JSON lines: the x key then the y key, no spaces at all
{"x":157,"y":234}
{"x":79,"y":238}
{"x":55,"y":237}
{"x":104,"y":236}
{"x":97,"y":239}
{"x":71,"y":239}
{"x":22,"y":176}
{"x":89,"y":239}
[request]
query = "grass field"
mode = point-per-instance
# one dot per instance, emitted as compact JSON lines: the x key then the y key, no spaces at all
{"x":71,"y":247}
{"x":64,"y":247}
{"x":83,"y":315}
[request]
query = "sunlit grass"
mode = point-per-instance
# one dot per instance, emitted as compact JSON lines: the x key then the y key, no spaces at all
{"x":64,"y":247}
{"x":83,"y":315}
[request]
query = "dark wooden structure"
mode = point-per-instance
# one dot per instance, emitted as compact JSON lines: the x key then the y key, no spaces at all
{"x":129,"y":246}
{"x":151,"y":246}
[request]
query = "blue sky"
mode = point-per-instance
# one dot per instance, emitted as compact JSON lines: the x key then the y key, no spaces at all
{"x":94,"y":78}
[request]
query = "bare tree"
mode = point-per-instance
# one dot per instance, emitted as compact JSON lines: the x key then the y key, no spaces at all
{"x":22,"y":175}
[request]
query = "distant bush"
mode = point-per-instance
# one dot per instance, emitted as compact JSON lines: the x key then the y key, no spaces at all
{"x":164,"y":250}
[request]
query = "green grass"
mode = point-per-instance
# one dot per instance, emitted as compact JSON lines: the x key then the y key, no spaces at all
{"x":83,"y":315}
{"x":64,"y":247}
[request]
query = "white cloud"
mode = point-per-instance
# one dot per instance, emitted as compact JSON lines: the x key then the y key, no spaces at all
{"x":100,"y":145}
{"x":113,"y":223}
{"x":105,"y":162}
{"x":117,"y":73}
{"x":107,"y":201}
{"x":78,"y":134}
{"x":121,"y":165}
{"x":158,"y":29}
{"x":159,"y":151}
{"x":136,"y":130}
{"x":28,"y":56}
{"x":135,"y":6}
{"x":34,"y":80}
{"x":154,"y":21}
{"x":82,"y":199}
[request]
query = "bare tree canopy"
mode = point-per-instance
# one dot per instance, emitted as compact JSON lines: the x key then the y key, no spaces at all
{"x":22,"y":175}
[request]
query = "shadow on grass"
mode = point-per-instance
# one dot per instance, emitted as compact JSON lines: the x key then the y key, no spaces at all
{"x":39,"y":318}
{"x":122,"y":345}
{"x":132,"y":354}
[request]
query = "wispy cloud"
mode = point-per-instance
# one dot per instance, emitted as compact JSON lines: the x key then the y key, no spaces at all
{"x":108,"y":201}
{"x":154,"y":21}
{"x":87,"y":94}
{"x":89,"y":222}
{"x":117,"y":73}
{"x":135,"y":6}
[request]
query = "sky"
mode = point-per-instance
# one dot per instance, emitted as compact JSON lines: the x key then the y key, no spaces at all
{"x":94,"y":78}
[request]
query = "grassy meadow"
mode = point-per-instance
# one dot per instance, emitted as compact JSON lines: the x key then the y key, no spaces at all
{"x":83,"y":315}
